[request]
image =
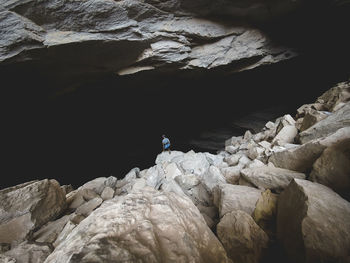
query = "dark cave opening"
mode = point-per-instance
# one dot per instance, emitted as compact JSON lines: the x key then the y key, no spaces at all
{"x":114,"y":124}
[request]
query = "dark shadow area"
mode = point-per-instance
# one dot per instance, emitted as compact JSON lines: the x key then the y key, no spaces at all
{"x":114,"y":124}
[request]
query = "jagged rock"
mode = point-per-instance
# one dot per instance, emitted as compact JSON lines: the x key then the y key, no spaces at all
{"x":232,"y":173}
{"x":6,"y":259}
{"x":166,"y":157}
{"x":313,"y":223}
{"x":216,"y":160}
{"x":64,"y":233}
{"x":233,"y":159}
{"x":338,"y":119}
{"x":332,"y":168}
{"x":255,"y":152}
{"x":112,"y":181}
{"x":334,"y":98}
{"x":275,"y":179}
{"x":285,"y":135}
{"x":212,"y":177}
{"x":256,"y":163}
{"x":231,"y":149}
{"x":311,"y":118}
{"x":154,"y":176}
{"x":301,"y":158}
{"x":234,"y":141}
{"x":67,"y":189}
{"x":49,"y":232}
{"x":228,"y":197}
{"x":81,"y":196}
{"x":27,"y":252}
{"x":107,"y":193}
{"x":29,"y":207}
{"x":284,"y":121}
{"x":265,"y":212}
{"x":126,"y":229}
{"x":241,"y":237}
{"x":97,"y":185}
{"x":187,"y":181}
{"x":89,"y":206}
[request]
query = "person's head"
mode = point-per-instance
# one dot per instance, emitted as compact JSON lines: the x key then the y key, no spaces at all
{"x":163,"y":136}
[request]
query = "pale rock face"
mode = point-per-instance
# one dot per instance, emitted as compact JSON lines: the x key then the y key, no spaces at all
{"x":256,"y":163}
{"x":337,"y":120}
{"x":232,"y":173}
{"x":27,"y":252}
{"x":107,"y":193}
{"x":317,"y":220}
{"x":89,"y":206}
{"x":235,"y":197}
{"x":231,"y":149}
{"x":332,"y":168}
{"x":336,"y":97}
{"x":275,"y":179}
{"x":7,"y":259}
{"x":242,"y":238}
{"x":286,"y":135}
{"x":166,"y":157}
{"x":29,"y":207}
{"x":233,"y":159}
{"x":149,"y":226}
{"x":301,"y":158}
{"x":212,"y":178}
{"x":49,"y":232}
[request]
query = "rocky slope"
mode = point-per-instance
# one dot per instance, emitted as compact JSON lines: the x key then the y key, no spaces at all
{"x":286,"y":186}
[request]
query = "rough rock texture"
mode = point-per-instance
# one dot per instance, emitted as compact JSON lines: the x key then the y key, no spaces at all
{"x":242,"y":238}
{"x":332,"y":168}
{"x":301,"y":158}
{"x":26,"y":208}
{"x":275,"y":179}
{"x":130,"y":36}
{"x":229,"y":197}
{"x":329,"y":125}
{"x":145,"y":226}
{"x":313,"y":223}
{"x":265,"y":212}
{"x":29,"y":252}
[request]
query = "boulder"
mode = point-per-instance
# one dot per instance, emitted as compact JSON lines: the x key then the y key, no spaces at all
{"x":97,"y":185}
{"x":49,"y":232}
{"x":64,"y":233}
{"x":107,"y":193}
{"x":149,"y":225}
{"x":241,"y":237}
{"x":275,"y":179}
{"x":334,"y":98}
{"x":332,"y":168}
{"x":7,"y":259}
{"x":166,"y":157}
{"x":301,"y":158}
{"x":233,"y":159}
{"x":313,"y":223}
{"x":232,"y":173}
{"x":89,"y":206}
{"x":29,"y":207}
{"x":266,"y":211}
{"x":311,"y":118}
{"x":338,"y":119}
{"x":230,"y":197}
{"x":27,"y":252}
{"x":285,"y":135}
{"x":212,"y":177}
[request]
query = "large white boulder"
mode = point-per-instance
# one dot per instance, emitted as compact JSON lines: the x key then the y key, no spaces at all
{"x":145,"y":226}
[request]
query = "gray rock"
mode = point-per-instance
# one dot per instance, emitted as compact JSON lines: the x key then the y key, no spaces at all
{"x":241,"y":237}
{"x":64,"y":233}
{"x":327,"y":126}
{"x":27,"y":208}
{"x":301,"y":158}
{"x":7,"y":259}
{"x":212,"y":178}
{"x":150,"y":225}
{"x":332,"y":168}
{"x":107,"y":193}
{"x":233,"y":159}
{"x":89,"y":206}
{"x":27,"y":252}
{"x":49,"y":232}
{"x":311,"y":118}
{"x":232,"y":173}
{"x":235,"y":197}
{"x":97,"y":185}
{"x":285,"y":135}
{"x":334,"y":98}
{"x":275,"y":179}
{"x":313,"y":223}
{"x":112,"y":181}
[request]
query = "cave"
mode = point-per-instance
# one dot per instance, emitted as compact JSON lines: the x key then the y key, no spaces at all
{"x":76,"y":127}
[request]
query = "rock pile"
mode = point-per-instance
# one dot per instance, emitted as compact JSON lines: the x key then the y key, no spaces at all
{"x":287,"y":186}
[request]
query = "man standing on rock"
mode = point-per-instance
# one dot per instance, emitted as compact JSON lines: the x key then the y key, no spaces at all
{"x":166,"y":144}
